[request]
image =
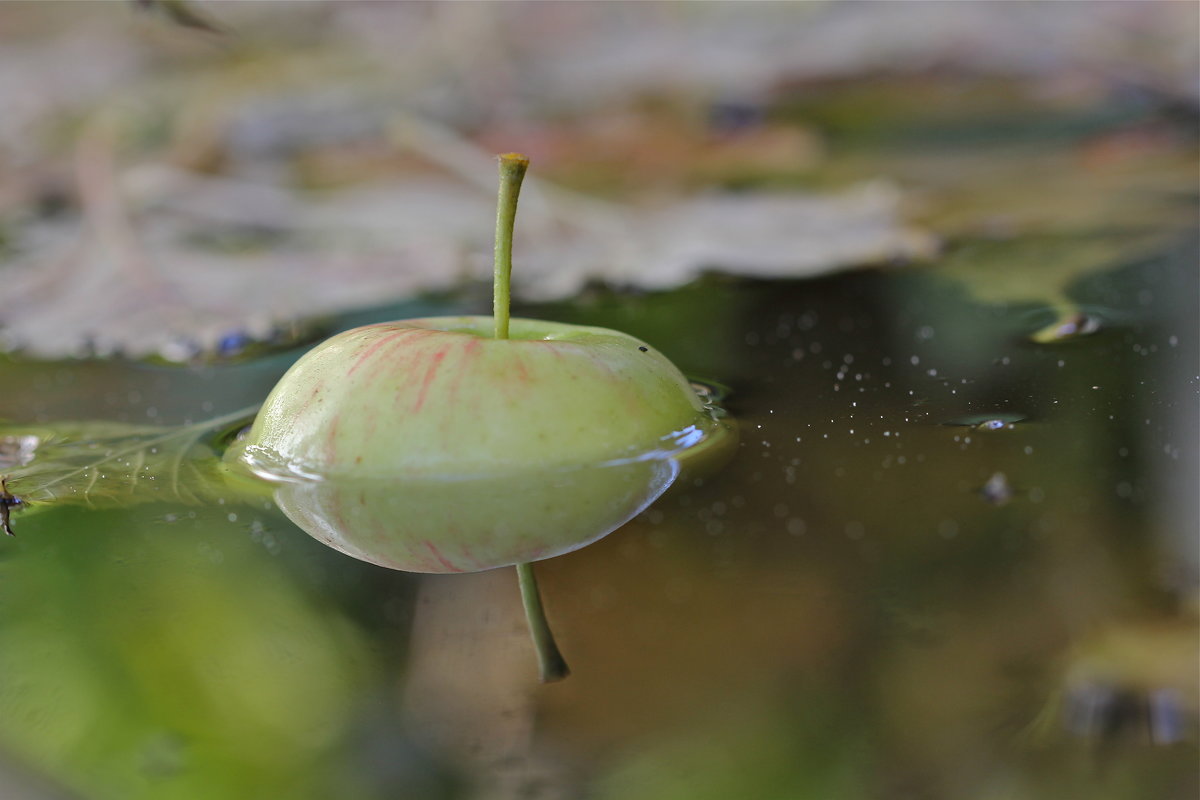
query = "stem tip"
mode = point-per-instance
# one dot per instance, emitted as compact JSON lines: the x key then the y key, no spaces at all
{"x":551,"y":665}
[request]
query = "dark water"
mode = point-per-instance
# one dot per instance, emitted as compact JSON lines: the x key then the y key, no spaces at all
{"x":944,"y":562}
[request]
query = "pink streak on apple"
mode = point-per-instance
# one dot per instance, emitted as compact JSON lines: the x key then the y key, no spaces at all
{"x":430,"y":372}
{"x":331,"y":438}
{"x":365,"y":355}
{"x":446,"y":563}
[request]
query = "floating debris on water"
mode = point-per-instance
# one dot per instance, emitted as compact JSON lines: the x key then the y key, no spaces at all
{"x":8,"y":501}
{"x":997,"y":490}
{"x":1070,"y":325}
{"x":996,"y":421}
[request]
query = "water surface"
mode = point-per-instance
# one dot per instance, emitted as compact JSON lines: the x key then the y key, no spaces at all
{"x":882,"y":595}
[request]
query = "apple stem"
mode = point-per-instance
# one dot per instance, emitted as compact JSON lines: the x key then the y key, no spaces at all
{"x":551,"y":665}
{"x":512,"y":172}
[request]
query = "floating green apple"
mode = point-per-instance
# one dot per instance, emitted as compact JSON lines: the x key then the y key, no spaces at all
{"x":455,"y":444}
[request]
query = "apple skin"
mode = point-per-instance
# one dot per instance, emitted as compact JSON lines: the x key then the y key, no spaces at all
{"x":422,"y":398}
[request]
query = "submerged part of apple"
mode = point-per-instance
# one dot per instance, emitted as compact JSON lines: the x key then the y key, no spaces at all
{"x":473,"y":524}
{"x":438,"y":397}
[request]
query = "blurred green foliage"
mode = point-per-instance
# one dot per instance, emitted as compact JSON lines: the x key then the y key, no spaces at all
{"x":143,"y":658}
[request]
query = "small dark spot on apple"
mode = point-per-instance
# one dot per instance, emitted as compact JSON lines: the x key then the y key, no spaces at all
{"x":643,"y":348}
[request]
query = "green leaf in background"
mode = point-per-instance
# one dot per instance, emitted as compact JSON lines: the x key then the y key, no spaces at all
{"x":107,"y":464}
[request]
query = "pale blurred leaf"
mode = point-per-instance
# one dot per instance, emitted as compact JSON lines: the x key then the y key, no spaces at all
{"x":201,"y":259}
